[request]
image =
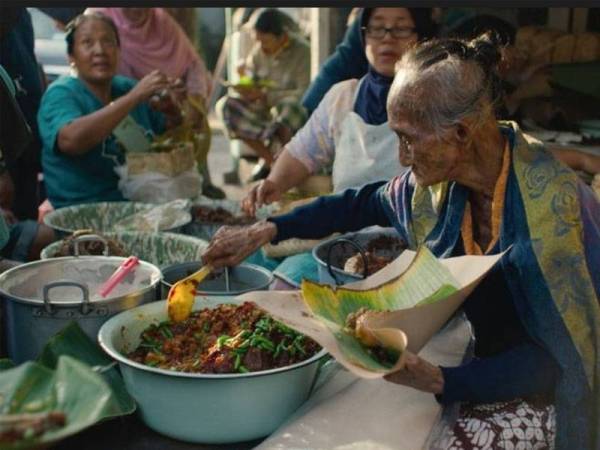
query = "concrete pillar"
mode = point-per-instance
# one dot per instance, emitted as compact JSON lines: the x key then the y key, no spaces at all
{"x":320,"y":45}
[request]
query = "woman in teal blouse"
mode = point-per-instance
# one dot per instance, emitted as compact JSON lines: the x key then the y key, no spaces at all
{"x":79,"y":113}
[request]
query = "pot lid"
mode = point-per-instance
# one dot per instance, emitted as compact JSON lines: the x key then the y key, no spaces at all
{"x":63,"y":278}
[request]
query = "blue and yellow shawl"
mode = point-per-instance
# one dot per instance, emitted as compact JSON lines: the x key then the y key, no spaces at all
{"x":552,"y":221}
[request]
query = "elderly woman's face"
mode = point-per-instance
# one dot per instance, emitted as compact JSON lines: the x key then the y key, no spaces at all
{"x":432,"y":159}
{"x":384,"y":48}
{"x":95,"y":51}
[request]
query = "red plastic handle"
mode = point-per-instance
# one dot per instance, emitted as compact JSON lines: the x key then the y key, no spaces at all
{"x":126,"y":266}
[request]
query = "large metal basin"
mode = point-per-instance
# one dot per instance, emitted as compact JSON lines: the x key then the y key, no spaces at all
{"x":105,"y":217}
{"x":158,"y":248}
{"x":205,"y":408}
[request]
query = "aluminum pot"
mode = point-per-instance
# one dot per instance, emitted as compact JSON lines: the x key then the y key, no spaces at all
{"x":331,"y":255}
{"x":235,"y":281}
{"x":41,"y":297}
{"x":205,"y":408}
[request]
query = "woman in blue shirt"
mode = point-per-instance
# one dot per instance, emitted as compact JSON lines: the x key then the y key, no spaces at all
{"x":79,"y":113}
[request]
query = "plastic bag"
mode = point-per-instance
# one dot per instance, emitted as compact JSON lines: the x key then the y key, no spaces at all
{"x":173,"y":160}
{"x":155,"y":187}
{"x":157,"y":218}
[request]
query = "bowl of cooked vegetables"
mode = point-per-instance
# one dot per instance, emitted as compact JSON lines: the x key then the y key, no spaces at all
{"x":209,"y":215}
{"x":353,"y":256}
{"x":228,"y":373}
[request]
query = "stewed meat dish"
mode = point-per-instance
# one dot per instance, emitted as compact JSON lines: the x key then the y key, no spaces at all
{"x":205,"y":214}
{"x":226,"y":339}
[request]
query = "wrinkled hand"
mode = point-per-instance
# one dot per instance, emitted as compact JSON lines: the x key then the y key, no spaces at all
{"x":264,"y":193}
{"x":151,"y":84}
{"x":419,"y":374}
{"x":232,"y":244}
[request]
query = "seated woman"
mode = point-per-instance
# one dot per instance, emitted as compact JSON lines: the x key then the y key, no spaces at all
{"x":266,"y":118}
{"x":151,"y":39}
{"x":478,"y":186}
{"x":78,"y":114}
{"x":348,"y":132}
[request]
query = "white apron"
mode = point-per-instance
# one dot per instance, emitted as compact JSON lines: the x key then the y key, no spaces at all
{"x":364,"y":153}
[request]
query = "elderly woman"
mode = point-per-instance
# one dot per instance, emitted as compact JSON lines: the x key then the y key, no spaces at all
{"x":78,"y":115}
{"x":349,"y":131}
{"x":477,"y":186}
{"x":266,"y":118}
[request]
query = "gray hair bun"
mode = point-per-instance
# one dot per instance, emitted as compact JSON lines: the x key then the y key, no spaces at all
{"x":485,"y":50}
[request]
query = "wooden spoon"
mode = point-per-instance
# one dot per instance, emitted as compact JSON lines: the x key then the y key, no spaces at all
{"x":182,"y":294}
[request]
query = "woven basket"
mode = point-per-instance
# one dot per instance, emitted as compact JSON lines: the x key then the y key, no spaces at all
{"x":170,"y":163}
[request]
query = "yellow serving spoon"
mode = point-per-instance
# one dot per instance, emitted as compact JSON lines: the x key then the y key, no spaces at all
{"x":182,"y":294}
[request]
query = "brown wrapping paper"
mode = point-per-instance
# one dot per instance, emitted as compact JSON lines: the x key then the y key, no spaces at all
{"x":409,"y":328}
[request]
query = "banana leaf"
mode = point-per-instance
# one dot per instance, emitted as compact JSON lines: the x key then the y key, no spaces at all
{"x":63,"y":378}
{"x":249,"y":82}
{"x":72,"y":388}
{"x":426,"y":281}
{"x":409,"y":300}
{"x":72,"y":341}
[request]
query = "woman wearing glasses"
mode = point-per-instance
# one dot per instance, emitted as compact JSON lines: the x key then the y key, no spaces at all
{"x":348,"y":132}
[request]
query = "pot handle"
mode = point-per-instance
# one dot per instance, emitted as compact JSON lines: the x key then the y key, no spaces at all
{"x":90,"y":238}
{"x":353,"y":244}
{"x":102,"y":369}
{"x":85,"y":302}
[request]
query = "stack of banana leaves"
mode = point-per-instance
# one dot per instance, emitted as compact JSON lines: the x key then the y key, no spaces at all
{"x":70,"y":387}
